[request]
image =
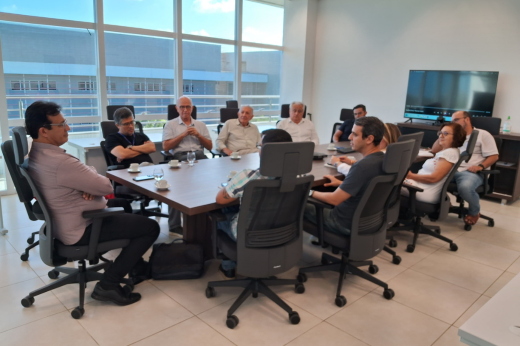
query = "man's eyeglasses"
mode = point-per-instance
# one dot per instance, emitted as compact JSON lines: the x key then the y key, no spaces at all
{"x":63,"y":124}
{"x":130,"y":123}
{"x":444,"y":133}
{"x":185,"y":107}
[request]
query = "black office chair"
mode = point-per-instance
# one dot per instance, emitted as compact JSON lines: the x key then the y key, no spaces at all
{"x":54,"y":253}
{"x":416,"y":210}
{"x":172,"y":112}
{"x":491,"y":125}
{"x":232,"y":104}
{"x":284,"y":113}
{"x":368,"y":231}
{"x":335,"y":128}
{"x":111,"y":110}
{"x":346,"y":114}
{"x":484,"y":189}
{"x":225,"y":115}
{"x":269,"y":240}
{"x":120,"y":191}
{"x":24,"y":193}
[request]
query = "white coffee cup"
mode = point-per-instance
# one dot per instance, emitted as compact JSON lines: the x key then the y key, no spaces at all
{"x":134,"y":166}
{"x":232,"y":174}
{"x":234,"y":155}
{"x":162,"y":183}
{"x":332,"y":146}
{"x":174,"y":163}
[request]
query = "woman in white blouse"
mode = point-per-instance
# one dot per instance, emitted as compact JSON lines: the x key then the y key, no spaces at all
{"x":434,"y":171}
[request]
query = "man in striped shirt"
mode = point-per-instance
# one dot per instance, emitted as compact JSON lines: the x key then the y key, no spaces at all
{"x":235,"y":190}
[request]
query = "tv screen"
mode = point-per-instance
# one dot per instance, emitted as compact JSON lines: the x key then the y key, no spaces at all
{"x":432,"y":94}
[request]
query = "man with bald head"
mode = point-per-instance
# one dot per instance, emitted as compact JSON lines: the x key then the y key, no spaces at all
{"x":300,"y":129}
{"x":184,"y":134}
{"x":239,"y":135}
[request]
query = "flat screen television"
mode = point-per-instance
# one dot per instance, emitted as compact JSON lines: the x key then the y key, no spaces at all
{"x":431,"y":94}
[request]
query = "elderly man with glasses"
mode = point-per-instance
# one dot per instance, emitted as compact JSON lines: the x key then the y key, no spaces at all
{"x":128,"y":146}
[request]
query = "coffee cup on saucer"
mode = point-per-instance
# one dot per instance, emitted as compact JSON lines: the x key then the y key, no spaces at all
{"x":234,"y":155}
{"x":173,"y":163}
{"x":162,"y":184}
{"x":332,"y":146}
{"x":232,"y":174}
{"x":134,"y":167}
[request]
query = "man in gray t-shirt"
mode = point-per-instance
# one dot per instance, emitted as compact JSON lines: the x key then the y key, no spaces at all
{"x":366,"y":135}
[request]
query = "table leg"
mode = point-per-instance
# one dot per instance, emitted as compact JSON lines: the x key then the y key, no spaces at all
{"x":197,"y":229}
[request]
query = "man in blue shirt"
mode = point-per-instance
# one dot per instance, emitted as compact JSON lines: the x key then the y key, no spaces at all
{"x":344,"y":131}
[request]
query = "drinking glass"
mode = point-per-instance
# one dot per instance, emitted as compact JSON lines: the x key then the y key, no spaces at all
{"x":191,"y":158}
{"x":158,"y":174}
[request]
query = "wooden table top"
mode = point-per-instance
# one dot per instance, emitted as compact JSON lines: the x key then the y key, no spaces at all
{"x":193,"y":189}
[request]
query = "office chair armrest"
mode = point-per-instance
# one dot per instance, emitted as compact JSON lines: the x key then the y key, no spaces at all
{"x":318,"y":204}
{"x":411,"y":188}
{"x":115,"y":167}
{"x":215,"y":216}
{"x":487,"y":172}
{"x":101,"y":213}
{"x":98,"y":216}
{"x":216,"y":152}
{"x":166,"y":155}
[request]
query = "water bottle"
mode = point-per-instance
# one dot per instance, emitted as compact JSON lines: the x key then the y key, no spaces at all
{"x":506,"y":128}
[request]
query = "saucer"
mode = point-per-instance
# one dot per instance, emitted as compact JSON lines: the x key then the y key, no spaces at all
{"x":162,"y":188}
{"x":131,"y":171}
{"x":236,"y":158}
{"x":175,"y":166}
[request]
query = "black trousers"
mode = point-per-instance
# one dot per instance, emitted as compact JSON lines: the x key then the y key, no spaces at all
{"x":142,"y":233}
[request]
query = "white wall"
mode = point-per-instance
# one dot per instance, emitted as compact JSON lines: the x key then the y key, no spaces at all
{"x":365,"y":49}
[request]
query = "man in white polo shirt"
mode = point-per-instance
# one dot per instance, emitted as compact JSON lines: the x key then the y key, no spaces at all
{"x":300,"y":129}
{"x":484,"y":155}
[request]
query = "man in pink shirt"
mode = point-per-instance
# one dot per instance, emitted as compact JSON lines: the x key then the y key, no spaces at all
{"x":70,"y":188}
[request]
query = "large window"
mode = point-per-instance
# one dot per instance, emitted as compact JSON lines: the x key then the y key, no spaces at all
{"x":80,"y":10}
{"x":147,"y":14}
{"x":263,"y":22}
{"x":212,"y":18}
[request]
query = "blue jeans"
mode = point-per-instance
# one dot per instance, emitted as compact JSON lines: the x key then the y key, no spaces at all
{"x":226,"y":227}
{"x":330,"y":224}
{"x":467,"y":183}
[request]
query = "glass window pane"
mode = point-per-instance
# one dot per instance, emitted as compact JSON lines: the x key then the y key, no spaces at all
{"x":256,"y":27}
{"x":261,"y":71}
{"x":82,"y":10}
{"x":213,"y":18}
{"x":149,"y":14}
{"x":136,"y":66}
{"x":53,"y":64}
{"x":208,"y":72}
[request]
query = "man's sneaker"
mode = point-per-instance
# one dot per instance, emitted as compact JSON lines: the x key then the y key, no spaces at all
{"x":230,"y":273}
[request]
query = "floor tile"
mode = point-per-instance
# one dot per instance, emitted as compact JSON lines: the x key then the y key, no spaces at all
{"x":68,"y":295}
{"x":387,"y":271}
{"x":18,"y":238}
{"x":326,"y":334}
{"x":153,"y":313}
{"x":408,"y":259}
{"x":481,"y":252}
{"x":496,"y":236}
{"x":499,"y":284}
{"x":13,"y":270}
{"x":491,"y":205}
{"x":190,"y":332}
{"x":13,"y":314}
{"x":515,"y":267}
{"x":450,"y":338}
{"x":45,"y":332}
{"x":431,"y":296}
{"x":380,"y":322}
{"x":262,"y":322}
{"x":458,"y":271}
{"x":5,"y":247}
{"x":474,"y":308}
{"x":191,"y":293}
{"x":506,"y":219}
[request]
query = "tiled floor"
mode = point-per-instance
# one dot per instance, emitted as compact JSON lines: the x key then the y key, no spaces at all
{"x":436,"y":292}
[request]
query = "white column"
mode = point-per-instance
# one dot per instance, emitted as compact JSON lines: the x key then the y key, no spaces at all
{"x":100,"y":60}
{"x":177,"y":25}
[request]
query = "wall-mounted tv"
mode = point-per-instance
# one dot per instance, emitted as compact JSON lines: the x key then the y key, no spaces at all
{"x":432,"y":94}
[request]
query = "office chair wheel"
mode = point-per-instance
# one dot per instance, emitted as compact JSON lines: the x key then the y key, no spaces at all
{"x":396,"y":259}
{"x":467,"y":227}
{"x":392,"y":243}
{"x":453,"y":247}
{"x":294,"y":317}
{"x":27,"y":301}
{"x":24,"y":257}
{"x":410,"y":248}
{"x":341,"y":301}
{"x":302,"y":277}
{"x":232,"y":321}
{"x":30,"y":240}
{"x":389,"y":293}
{"x":299,"y":288}
{"x":491,"y":223}
{"x":53,"y":274}
{"x":373,"y":269}
{"x":210,"y":292}
{"x":254,"y":294}
{"x":77,"y":313}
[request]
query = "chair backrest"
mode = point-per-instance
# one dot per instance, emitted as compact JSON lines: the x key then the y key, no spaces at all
{"x":270,"y":223}
{"x":109,"y":127}
{"x":172,"y":112}
{"x":232,"y":104}
{"x":489,"y":181}
{"x":23,"y":189}
{"x":417,"y":137}
{"x":369,"y":223}
{"x":228,"y":113}
{"x":346,"y":114}
{"x":284,"y":112}
{"x":491,"y":125}
{"x":335,"y":128}
{"x":106,"y":155}
{"x":111,"y":109}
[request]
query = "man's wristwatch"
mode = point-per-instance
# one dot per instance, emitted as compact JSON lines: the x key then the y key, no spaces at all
{"x":311,"y":192}
{"x":129,"y":147}
{"x":481,"y":165}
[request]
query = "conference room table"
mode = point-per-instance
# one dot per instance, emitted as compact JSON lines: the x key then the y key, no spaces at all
{"x":193,"y":189}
